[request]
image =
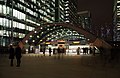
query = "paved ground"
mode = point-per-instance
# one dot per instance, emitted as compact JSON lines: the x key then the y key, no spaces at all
{"x":35,"y":66}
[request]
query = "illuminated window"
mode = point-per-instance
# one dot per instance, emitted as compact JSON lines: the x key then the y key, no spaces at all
{"x":34,"y":1}
{"x":1,"y":32}
{"x":0,"y":8}
{"x":118,"y":13}
{"x":31,"y":28}
{"x":22,"y":1}
{"x":53,"y":0}
{"x":118,"y":1}
{"x":118,"y":6}
{"x":4,"y":9}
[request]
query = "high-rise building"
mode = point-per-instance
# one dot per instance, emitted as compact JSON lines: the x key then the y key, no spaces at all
{"x":85,"y":20}
{"x":116,"y":20}
{"x":19,"y":17}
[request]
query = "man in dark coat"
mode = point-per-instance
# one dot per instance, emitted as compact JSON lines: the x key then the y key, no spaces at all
{"x":18,"y":55}
{"x":11,"y":55}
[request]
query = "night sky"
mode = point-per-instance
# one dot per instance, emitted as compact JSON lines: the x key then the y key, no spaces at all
{"x":101,"y":10}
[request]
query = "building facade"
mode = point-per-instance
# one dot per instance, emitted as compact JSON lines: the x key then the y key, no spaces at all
{"x":85,"y":20}
{"x":19,"y":17}
{"x":116,"y":20}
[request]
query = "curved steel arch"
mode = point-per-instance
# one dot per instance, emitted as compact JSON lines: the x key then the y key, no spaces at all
{"x":71,"y":26}
{"x":44,"y":34}
{"x":79,"y":29}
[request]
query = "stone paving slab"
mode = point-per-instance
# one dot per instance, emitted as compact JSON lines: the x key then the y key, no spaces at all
{"x":37,"y":66}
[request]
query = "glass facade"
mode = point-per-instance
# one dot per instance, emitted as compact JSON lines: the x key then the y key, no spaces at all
{"x":71,"y":11}
{"x":85,"y":20}
{"x":19,"y":17}
{"x":116,"y":20}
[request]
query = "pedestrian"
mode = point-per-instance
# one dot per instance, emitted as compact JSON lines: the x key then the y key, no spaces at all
{"x":44,"y":51}
{"x":58,"y":52}
{"x":62,"y":51}
{"x":78,"y":51}
{"x":53,"y":51}
{"x":94,"y":49}
{"x":50,"y":51}
{"x":90,"y":50}
{"x":11,"y":55}
{"x":84,"y":50}
{"x":18,"y":55}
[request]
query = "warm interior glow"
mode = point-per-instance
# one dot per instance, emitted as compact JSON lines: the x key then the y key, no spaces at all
{"x":47,"y":42}
{"x":76,"y":42}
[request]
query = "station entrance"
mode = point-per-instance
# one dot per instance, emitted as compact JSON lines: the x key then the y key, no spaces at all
{"x":71,"y":48}
{"x":34,"y":43}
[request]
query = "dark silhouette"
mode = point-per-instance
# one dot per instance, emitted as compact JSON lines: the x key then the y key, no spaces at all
{"x":11,"y":55}
{"x":101,"y":49}
{"x":54,"y":51}
{"x":29,"y":49}
{"x":78,"y":51}
{"x":62,"y":51}
{"x":50,"y":50}
{"x":87,"y":50}
{"x":44,"y":51}
{"x":84,"y":50}
{"x":18,"y":55}
{"x":33,"y":50}
{"x":90,"y":49}
{"x":114,"y":54}
{"x":94,"y":49}
{"x":58,"y":51}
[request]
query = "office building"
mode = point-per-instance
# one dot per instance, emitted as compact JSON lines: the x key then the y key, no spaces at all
{"x":19,"y":17}
{"x":85,"y":20}
{"x":116,"y":20}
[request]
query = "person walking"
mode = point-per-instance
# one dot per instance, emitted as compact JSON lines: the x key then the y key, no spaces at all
{"x":11,"y":55}
{"x":50,"y":50}
{"x":58,"y":52}
{"x":78,"y":51}
{"x":44,"y":51}
{"x":18,"y":55}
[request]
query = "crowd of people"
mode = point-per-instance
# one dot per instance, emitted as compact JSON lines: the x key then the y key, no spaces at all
{"x":60,"y":51}
{"x":16,"y":52}
{"x":86,"y":50}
